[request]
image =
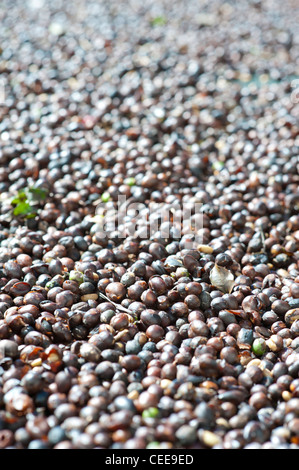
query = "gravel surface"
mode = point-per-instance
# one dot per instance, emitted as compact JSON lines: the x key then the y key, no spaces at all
{"x":160,"y":338}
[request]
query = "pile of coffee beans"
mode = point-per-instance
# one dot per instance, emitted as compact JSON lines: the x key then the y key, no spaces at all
{"x":161,"y":338}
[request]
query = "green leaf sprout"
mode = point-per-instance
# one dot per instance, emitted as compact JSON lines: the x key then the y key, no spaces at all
{"x":27,"y":201}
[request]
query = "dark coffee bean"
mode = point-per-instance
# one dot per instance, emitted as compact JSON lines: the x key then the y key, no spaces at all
{"x":115,"y":291}
{"x":131,"y":362}
{"x":104,"y":370}
{"x":90,"y":352}
{"x":8,"y":348}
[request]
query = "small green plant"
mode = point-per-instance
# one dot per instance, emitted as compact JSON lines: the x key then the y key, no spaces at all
{"x":159,"y":21}
{"x":105,"y":196}
{"x":218,"y":165}
{"x":130,"y":181}
{"x":151,"y":412}
{"x":27,"y":202}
